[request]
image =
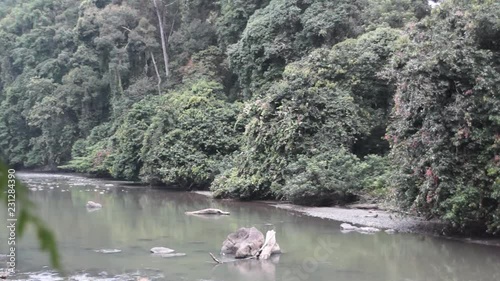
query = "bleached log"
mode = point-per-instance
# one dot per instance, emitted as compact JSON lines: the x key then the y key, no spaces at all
{"x":270,"y":246}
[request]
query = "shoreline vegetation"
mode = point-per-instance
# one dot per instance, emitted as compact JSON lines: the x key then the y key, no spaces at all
{"x":317,"y":103}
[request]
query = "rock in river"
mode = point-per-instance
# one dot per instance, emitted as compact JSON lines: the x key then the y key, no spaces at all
{"x":170,"y":255}
{"x":93,"y":205}
{"x":108,"y":251}
{"x":161,"y":250}
{"x":348,"y":227}
{"x":368,"y":229}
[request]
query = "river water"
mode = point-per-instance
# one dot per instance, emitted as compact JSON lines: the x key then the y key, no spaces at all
{"x":134,"y":219}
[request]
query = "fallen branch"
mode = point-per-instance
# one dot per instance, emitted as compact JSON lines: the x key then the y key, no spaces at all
{"x":230,"y":261}
{"x":208,"y":212}
{"x":214,"y":258}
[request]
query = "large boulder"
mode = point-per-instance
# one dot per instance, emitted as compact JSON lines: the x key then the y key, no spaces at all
{"x":243,"y":243}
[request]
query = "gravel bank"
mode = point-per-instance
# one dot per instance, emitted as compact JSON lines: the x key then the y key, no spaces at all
{"x":373,"y":218}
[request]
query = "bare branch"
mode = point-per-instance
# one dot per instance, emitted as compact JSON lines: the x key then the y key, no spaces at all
{"x":214,"y":258}
{"x":126,"y":28}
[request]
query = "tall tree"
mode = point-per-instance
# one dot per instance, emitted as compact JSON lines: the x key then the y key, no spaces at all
{"x":161,"y":16}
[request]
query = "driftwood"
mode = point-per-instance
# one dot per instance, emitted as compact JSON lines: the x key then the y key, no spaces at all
{"x":209,"y":211}
{"x":214,"y":258}
{"x":268,"y":248}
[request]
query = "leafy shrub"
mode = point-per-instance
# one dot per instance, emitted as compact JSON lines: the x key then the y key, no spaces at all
{"x":322,"y":179}
{"x":192,"y":131}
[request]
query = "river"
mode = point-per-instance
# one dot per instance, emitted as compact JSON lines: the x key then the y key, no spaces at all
{"x":135,"y":218}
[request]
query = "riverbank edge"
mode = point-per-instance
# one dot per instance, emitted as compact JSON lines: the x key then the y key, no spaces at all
{"x":378,"y":218}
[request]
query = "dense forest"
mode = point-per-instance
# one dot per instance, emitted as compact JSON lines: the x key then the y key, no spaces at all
{"x":317,"y":102}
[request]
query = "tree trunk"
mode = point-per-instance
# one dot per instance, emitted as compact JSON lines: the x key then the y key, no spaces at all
{"x":157,"y":73}
{"x":163,"y":39}
{"x":270,"y":246}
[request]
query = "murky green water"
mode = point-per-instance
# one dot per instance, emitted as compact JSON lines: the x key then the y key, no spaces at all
{"x":135,"y":219}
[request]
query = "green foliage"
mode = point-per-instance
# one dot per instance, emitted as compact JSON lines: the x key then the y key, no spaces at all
{"x":65,"y":68}
{"x":234,"y":17}
{"x":323,"y":179}
{"x":322,"y":107}
{"x":128,"y":140}
{"x":181,"y":138}
{"x":193,"y":129}
{"x":90,"y":155}
{"x":299,"y":100}
{"x":394,"y":13}
{"x":446,"y":119}
{"x":283,"y":31}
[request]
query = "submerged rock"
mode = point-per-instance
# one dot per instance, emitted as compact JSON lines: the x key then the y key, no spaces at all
{"x":348,"y":227}
{"x":366,"y":229}
{"x":208,"y":211}
{"x":108,"y":251}
{"x":171,"y":255}
{"x":161,"y":250}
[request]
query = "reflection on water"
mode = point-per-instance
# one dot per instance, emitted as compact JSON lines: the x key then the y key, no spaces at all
{"x":135,"y":219}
